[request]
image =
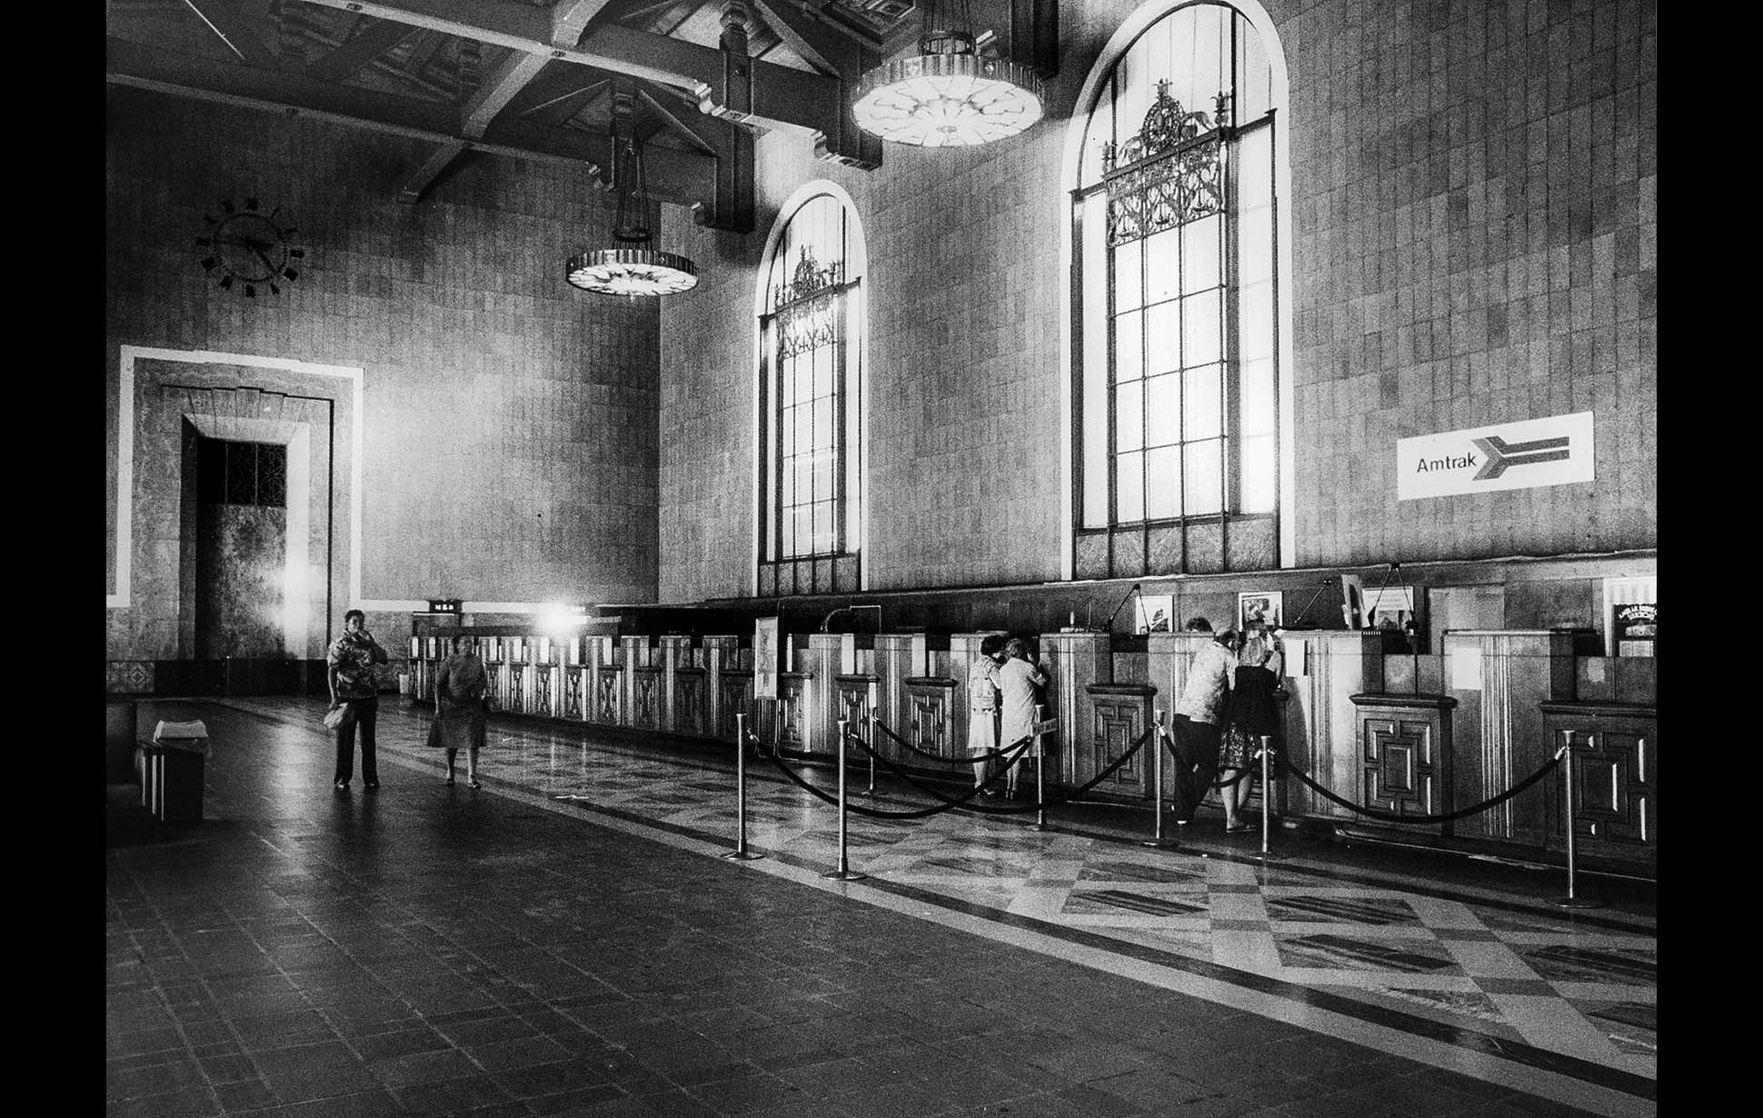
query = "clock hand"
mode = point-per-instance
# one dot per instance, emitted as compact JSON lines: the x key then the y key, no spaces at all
{"x":261,"y":256}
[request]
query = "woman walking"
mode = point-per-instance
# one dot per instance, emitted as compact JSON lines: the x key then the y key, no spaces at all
{"x":460,"y":685}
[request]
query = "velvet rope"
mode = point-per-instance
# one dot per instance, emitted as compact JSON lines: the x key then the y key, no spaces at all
{"x":987,"y":809}
{"x":1391,"y":817}
{"x":984,"y":755}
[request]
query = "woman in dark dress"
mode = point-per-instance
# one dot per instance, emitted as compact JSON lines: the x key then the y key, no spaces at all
{"x":460,"y":685}
{"x":1252,"y":719}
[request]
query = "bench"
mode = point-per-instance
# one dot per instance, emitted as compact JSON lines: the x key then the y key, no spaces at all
{"x":172,"y":773}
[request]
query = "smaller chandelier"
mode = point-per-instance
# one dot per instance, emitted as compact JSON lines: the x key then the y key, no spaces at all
{"x":632,"y":268}
{"x":947,"y":95}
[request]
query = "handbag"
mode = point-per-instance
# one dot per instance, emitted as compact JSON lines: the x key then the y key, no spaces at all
{"x":339,"y":716}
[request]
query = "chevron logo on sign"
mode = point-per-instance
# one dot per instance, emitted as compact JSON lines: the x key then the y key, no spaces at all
{"x":1522,"y":455}
{"x":1503,"y":455}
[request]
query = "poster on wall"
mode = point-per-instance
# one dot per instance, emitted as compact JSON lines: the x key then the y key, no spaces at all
{"x":1155,"y":611}
{"x":1635,"y":628}
{"x":1260,"y":605}
{"x":1523,"y":455}
{"x":1390,"y":608}
{"x":765,"y":658}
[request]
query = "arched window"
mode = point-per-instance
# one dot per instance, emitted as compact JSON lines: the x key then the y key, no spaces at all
{"x":1175,"y":347}
{"x":810,"y":402}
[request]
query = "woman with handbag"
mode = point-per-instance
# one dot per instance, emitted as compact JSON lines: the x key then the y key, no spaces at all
{"x":354,"y":699}
{"x":460,"y":686}
{"x":1252,"y":721}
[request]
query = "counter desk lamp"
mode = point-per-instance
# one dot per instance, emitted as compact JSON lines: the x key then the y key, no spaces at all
{"x":947,"y":95}
{"x":632,"y":267}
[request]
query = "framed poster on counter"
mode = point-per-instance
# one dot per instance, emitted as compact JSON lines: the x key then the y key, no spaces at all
{"x":765,"y":666}
{"x":1261,"y":605}
{"x":1390,"y":607}
{"x":1155,"y":613}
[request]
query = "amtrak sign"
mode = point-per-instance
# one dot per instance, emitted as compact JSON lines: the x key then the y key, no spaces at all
{"x":1523,"y":455}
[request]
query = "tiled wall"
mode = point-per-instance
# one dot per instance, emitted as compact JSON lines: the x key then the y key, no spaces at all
{"x":1473,"y":242}
{"x":509,"y":445}
{"x":1475,"y":234}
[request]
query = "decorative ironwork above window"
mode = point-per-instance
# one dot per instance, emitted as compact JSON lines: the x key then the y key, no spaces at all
{"x":808,"y":280}
{"x":807,"y":306}
{"x":1169,"y":173}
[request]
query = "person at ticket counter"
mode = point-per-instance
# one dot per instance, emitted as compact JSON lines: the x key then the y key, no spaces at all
{"x":982,"y":706}
{"x":1198,"y":720}
{"x":1017,"y":681}
{"x":1253,"y":718}
{"x":460,"y":686}
{"x":349,"y":670}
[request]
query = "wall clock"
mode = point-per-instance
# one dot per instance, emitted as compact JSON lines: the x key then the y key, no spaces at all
{"x":249,"y":251}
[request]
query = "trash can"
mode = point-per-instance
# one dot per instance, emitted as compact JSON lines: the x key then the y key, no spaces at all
{"x":176,"y":763}
{"x":119,"y":741}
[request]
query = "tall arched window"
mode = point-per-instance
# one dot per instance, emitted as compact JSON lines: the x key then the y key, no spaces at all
{"x":1174,"y":340}
{"x":810,"y":402}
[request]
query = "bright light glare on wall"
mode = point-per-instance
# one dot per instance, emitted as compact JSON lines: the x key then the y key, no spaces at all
{"x":295,"y":611}
{"x":563,"y":619}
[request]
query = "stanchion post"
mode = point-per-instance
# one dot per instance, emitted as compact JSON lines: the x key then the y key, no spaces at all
{"x":843,"y":873}
{"x":1571,"y":900}
{"x":1040,"y":766}
{"x":1266,"y":797}
{"x":740,"y":852}
{"x":869,"y":727}
{"x":1157,"y":838}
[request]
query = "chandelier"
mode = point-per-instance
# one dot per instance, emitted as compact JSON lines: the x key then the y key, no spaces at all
{"x":947,"y":95}
{"x":632,"y":267}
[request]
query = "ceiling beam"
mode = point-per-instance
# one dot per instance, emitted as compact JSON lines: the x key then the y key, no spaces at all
{"x":432,"y":169}
{"x":682,"y":178}
{"x":840,"y":56}
{"x":343,"y":63}
{"x":239,"y":32}
{"x":783,"y":98}
{"x":558,"y":94}
{"x":568,"y":19}
{"x":1034,"y":35}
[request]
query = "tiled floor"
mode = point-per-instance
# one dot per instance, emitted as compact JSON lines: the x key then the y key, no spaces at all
{"x":568,"y":941}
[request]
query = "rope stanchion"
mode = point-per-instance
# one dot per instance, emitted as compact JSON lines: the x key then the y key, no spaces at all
{"x":1572,"y":899}
{"x":1266,"y":798}
{"x":843,"y":873}
{"x":740,"y":852}
{"x":1157,"y":838}
{"x":1040,"y":768}
{"x":870,"y":791}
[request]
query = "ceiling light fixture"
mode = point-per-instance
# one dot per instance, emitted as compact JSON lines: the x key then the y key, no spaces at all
{"x":632,"y":268}
{"x":947,"y":95}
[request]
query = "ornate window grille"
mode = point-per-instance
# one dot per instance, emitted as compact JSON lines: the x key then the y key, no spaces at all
{"x":809,"y":400}
{"x":1174,"y":356}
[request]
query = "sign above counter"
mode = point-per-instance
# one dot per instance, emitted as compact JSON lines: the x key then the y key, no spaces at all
{"x":1523,"y":455}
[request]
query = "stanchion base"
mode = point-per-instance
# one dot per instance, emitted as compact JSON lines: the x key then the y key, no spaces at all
{"x":1269,"y":855}
{"x":743,"y":856}
{"x":1160,"y":844}
{"x":845,"y":875}
{"x":1575,"y":902}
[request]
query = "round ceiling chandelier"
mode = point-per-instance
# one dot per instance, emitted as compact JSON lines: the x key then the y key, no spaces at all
{"x":632,"y":267}
{"x":947,"y":95}
{"x":632,"y":271}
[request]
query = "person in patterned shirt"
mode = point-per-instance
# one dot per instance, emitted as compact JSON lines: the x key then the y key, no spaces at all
{"x":349,"y":670}
{"x":1198,"y":720}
